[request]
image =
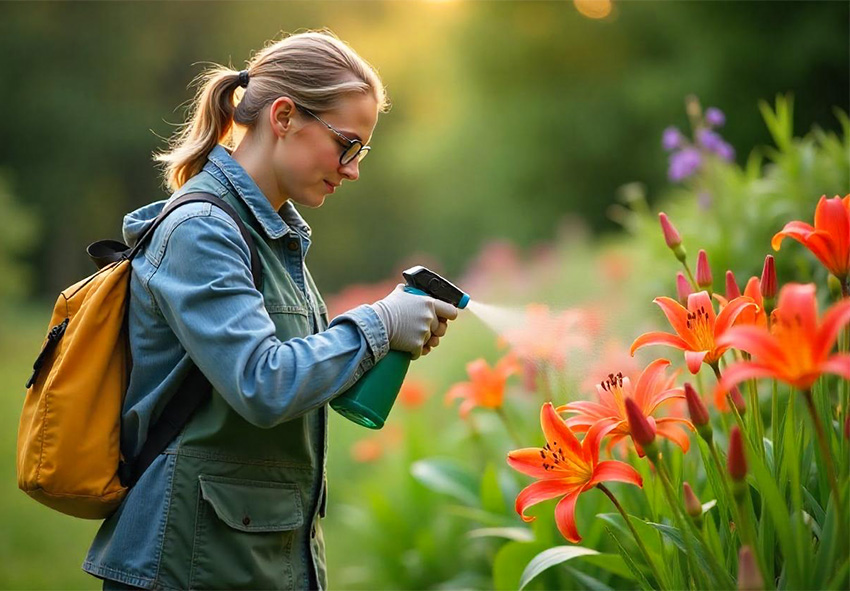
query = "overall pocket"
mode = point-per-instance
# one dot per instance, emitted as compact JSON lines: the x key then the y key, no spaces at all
{"x":244,"y":531}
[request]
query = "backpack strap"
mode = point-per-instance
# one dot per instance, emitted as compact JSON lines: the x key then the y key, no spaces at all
{"x":105,"y":252}
{"x":195,"y":389}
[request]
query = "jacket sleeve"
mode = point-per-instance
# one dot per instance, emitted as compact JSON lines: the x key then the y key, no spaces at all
{"x":204,"y":290}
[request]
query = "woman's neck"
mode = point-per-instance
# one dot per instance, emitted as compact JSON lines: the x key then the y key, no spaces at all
{"x":254,"y":159}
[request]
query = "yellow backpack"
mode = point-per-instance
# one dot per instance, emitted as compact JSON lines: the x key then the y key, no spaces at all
{"x":69,"y":445}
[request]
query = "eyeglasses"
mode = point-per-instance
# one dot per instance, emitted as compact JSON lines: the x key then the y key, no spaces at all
{"x":354,"y":148}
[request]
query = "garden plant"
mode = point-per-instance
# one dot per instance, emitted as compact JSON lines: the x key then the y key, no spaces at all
{"x":710,"y":451}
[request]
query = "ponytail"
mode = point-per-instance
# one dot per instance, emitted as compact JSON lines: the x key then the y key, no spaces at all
{"x":315,"y":69}
{"x":210,"y":121}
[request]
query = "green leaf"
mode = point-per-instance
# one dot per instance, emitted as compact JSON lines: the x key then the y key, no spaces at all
{"x":446,"y":476}
{"x":586,"y":581}
{"x":491,"y":493}
{"x":612,"y":563}
{"x":510,"y":562}
{"x":824,"y":564}
{"x":674,"y":534}
{"x":518,"y":534}
{"x":624,"y":554}
{"x":480,"y":516}
{"x":549,"y":558}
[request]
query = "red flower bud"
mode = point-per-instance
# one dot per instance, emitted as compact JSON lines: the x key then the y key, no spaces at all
{"x":683,"y":288}
{"x":768,"y":278}
{"x":749,"y":576}
{"x":736,"y":463}
{"x":696,"y":407}
{"x":671,"y":235}
{"x":692,"y":504}
{"x":642,"y":432}
{"x":732,"y":290}
{"x":704,"y":279}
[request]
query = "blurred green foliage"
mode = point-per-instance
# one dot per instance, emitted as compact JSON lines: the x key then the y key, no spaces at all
{"x":507,"y":116}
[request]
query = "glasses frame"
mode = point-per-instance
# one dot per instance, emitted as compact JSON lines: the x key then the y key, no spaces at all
{"x":359,"y":155}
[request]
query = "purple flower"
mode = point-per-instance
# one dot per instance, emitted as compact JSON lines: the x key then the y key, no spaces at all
{"x":725,"y":151}
{"x":671,"y":139}
{"x":715,"y":117}
{"x":683,"y":164}
{"x":710,"y":140}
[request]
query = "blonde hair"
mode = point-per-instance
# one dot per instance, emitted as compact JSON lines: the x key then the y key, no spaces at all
{"x":315,"y":69}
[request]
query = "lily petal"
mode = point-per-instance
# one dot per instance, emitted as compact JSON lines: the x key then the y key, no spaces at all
{"x":658,"y":338}
{"x":662,"y":397}
{"x":799,"y":231}
{"x":612,"y":470}
{"x":557,"y":432}
{"x":833,"y":321}
{"x":700,"y":300}
{"x":838,"y":365}
{"x":540,"y":491}
{"x":585,"y":407}
{"x":565,"y":517}
{"x":677,"y":315}
{"x":670,"y":429}
{"x":730,"y":313}
{"x":649,"y":382}
{"x":529,"y":462}
{"x":737,"y":373}
{"x":756,"y":341}
{"x":694,"y":360}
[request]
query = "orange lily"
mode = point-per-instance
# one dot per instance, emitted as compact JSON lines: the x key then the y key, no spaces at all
{"x":697,"y":328}
{"x":797,"y":348}
{"x":756,"y":315}
{"x":565,"y":467}
{"x":486,"y":386}
{"x":653,"y":388}
{"x":829,"y":239}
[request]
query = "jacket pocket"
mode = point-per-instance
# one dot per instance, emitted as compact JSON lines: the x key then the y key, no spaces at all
{"x":244,"y":532}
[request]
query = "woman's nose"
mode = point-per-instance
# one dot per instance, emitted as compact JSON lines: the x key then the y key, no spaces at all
{"x":351,"y":171}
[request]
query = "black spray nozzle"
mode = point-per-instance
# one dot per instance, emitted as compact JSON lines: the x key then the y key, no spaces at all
{"x":435,"y":286}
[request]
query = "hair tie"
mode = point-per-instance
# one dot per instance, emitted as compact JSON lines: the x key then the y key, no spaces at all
{"x":243,"y":78}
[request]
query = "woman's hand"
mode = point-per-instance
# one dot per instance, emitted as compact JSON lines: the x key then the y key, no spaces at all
{"x":414,"y":323}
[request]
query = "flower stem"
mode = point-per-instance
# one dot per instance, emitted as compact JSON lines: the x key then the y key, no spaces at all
{"x":684,"y":522}
{"x":632,"y":529}
{"x":509,"y":426}
{"x":827,"y":457}
{"x":690,"y":275}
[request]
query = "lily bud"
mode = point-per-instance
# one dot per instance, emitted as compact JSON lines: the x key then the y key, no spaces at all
{"x":704,"y":279}
{"x":768,"y":278}
{"x":642,"y":431}
{"x":698,"y":412}
{"x":732,"y":290}
{"x":736,"y":462}
{"x":692,"y":505}
{"x":672,"y":237}
{"x":683,"y":288}
{"x":749,"y":576}
{"x":834,"y":285}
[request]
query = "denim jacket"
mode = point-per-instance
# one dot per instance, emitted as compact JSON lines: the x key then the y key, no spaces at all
{"x":235,"y":500}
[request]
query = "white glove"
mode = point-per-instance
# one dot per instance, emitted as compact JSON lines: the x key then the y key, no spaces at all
{"x":414,"y":323}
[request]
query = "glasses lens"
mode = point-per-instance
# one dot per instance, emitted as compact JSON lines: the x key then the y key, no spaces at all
{"x":351,"y":152}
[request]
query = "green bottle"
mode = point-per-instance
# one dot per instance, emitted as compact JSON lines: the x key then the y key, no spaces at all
{"x":369,"y":401}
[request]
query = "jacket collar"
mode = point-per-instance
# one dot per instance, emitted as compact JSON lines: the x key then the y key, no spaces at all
{"x":274,"y":223}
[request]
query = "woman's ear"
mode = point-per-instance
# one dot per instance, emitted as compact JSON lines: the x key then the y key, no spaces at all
{"x":280,"y":115}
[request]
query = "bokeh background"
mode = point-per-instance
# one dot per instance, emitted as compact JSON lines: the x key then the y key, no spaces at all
{"x":522,"y":149}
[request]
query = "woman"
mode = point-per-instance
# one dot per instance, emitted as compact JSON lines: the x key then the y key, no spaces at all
{"x":235,"y":500}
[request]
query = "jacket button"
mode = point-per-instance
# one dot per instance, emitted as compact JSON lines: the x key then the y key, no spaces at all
{"x":246,"y":521}
{"x":292,"y":245}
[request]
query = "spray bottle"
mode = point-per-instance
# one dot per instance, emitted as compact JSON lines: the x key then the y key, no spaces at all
{"x":369,"y":401}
